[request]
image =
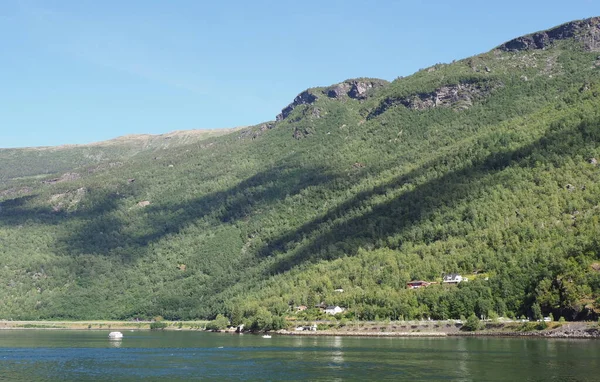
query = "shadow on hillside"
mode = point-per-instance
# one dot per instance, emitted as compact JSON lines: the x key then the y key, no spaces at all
{"x":237,"y":203}
{"x":335,"y":234}
{"x":91,"y":223}
{"x":18,"y":211}
{"x":101,"y":229}
{"x":102,"y":226}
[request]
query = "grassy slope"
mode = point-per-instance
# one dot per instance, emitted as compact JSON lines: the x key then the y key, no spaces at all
{"x":38,"y":162}
{"x":367,"y":200}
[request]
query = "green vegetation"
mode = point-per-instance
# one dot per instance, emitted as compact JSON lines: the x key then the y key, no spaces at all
{"x":38,"y":163}
{"x":532,"y":326}
{"x":39,"y":326}
{"x":219,"y":323}
{"x":360,"y":195}
{"x":158,"y":325}
{"x":472,"y":324}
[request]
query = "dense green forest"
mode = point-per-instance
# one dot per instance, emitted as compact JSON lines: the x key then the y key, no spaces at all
{"x":486,"y":167}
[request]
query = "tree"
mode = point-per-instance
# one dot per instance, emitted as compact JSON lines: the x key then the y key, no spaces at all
{"x":236,"y":316}
{"x":472,"y":324}
{"x":219,"y":323}
{"x":536,"y":312}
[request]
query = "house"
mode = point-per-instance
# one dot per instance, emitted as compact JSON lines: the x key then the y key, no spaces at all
{"x":312,"y":328}
{"x":417,"y":284}
{"x":339,"y":290}
{"x":333,"y":310}
{"x":301,"y":308}
{"x":453,"y":278}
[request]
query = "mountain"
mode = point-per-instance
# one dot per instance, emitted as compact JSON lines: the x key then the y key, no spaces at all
{"x":41,"y":161}
{"x":486,"y":167}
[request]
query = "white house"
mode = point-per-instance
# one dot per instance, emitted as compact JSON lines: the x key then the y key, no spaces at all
{"x":312,"y":328}
{"x":333,"y":310}
{"x":453,"y":278}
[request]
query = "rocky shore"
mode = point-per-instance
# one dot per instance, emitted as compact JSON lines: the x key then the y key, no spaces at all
{"x":579,"y":330}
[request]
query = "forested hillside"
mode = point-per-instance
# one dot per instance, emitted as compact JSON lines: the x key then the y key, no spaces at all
{"x":486,"y":167}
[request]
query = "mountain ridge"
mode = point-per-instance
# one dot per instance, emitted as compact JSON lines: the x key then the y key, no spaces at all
{"x":586,"y":31}
{"x":486,"y":166}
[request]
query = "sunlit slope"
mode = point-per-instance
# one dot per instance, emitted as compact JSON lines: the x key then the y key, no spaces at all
{"x":39,"y":162}
{"x":486,"y":165}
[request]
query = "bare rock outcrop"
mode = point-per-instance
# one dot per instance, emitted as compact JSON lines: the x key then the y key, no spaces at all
{"x":15,"y":191}
{"x":302,"y":132}
{"x":586,"y":31}
{"x":67,"y":200}
{"x":338,"y":91}
{"x":459,"y":96}
{"x":256,"y":131}
{"x":356,"y":89}
{"x":63,"y":178}
{"x":305,"y":98}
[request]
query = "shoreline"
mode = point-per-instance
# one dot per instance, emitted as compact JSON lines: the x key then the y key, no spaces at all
{"x":100,"y":325}
{"x":574,"y":330}
{"x":442,"y":335}
{"x":423,"y":329}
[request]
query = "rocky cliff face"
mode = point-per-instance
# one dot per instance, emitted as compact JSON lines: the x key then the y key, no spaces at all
{"x":457,"y":96}
{"x":587,"y":31}
{"x":356,"y":89}
{"x":254,"y":132}
{"x":304,"y":98}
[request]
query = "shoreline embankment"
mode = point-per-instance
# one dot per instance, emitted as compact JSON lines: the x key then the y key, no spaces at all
{"x":575,"y":330}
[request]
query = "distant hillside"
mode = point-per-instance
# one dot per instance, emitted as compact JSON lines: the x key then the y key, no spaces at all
{"x":486,"y":167}
{"x":38,"y":162}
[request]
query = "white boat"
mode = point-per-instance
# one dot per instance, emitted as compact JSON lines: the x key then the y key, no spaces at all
{"x":115,"y":335}
{"x":267,"y":336}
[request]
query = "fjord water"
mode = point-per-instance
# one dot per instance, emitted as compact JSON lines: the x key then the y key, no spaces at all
{"x":38,"y":355}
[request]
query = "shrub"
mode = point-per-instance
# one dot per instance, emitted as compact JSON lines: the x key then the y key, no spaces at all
{"x":541,"y":325}
{"x":158,"y":325}
{"x":219,"y":323}
{"x":493,"y":316}
{"x":526,"y":327}
{"x":472,"y":324}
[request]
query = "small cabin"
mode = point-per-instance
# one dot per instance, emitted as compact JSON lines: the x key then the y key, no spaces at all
{"x":311,"y":328}
{"x":333,"y":310}
{"x":453,"y":278}
{"x":415,"y":284}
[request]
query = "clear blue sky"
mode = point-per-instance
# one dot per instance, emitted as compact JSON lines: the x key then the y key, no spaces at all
{"x":84,"y":70}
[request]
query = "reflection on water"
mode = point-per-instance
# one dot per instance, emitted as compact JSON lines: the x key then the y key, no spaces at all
{"x":89,"y":356}
{"x":337,"y":355}
{"x":462,"y":357}
{"x":116,"y":343}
